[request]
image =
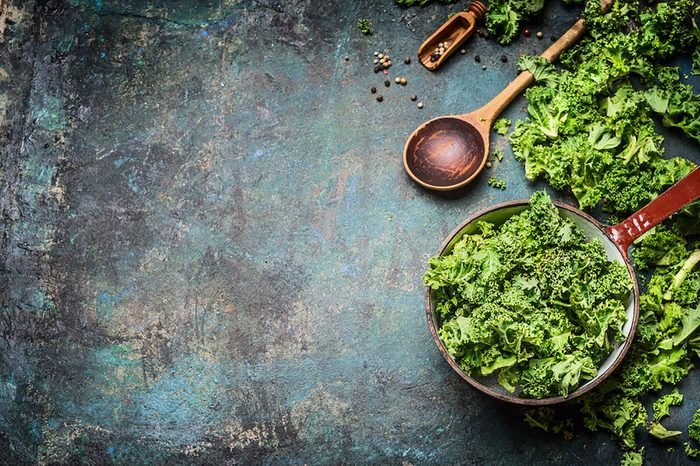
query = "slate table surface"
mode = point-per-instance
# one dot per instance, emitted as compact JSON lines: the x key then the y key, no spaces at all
{"x":211,"y":253}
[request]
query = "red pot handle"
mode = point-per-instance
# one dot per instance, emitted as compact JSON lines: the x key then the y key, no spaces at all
{"x":671,"y":201}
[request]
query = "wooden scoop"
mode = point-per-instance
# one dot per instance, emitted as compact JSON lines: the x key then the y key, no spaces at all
{"x":454,"y":32}
{"x":448,"y":152}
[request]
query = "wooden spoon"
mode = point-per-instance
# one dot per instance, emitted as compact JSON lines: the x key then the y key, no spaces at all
{"x":448,"y":152}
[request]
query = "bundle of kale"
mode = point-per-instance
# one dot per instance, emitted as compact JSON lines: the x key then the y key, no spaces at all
{"x":590,"y":126}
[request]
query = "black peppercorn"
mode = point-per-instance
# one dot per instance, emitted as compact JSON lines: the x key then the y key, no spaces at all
{"x":373,"y":90}
{"x":477,"y":58}
{"x":380,"y":98}
{"x":504,"y":59}
{"x":387,"y":83}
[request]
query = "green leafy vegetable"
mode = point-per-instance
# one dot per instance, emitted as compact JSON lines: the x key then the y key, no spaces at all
{"x":497,"y":183}
{"x":501,"y":126}
{"x":504,"y":17}
{"x":694,"y":434}
{"x":661,"y":433}
{"x":633,"y":458}
{"x":532,"y":300}
{"x":545,"y":418}
{"x":591,"y":127}
{"x":365,"y":26}
{"x":662,"y":406}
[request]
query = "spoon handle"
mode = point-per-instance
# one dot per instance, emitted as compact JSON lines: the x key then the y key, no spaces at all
{"x":491,"y":110}
{"x":669,"y":202}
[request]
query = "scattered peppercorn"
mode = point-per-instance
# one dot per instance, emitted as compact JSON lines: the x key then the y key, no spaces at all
{"x":380,"y":98}
{"x":420,"y":104}
{"x":414,"y":98}
{"x":463,"y":51}
{"x":488,"y":164}
{"x":397,"y":80}
{"x":539,"y":35}
{"x":387,"y":83}
{"x":526,"y":33}
{"x":373,"y":90}
{"x":407,"y":60}
{"x":477,"y":58}
{"x":403,"y":81}
{"x":504,"y":59}
{"x":378,"y":68}
{"x":483,"y":67}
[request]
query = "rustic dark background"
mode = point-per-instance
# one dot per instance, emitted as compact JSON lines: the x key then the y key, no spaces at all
{"x":210,"y":250}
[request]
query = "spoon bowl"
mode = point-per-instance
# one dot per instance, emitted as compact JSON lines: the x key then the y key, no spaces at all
{"x":445,"y":153}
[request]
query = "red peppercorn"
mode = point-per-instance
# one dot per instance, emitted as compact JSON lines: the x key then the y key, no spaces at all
{"x":526,"y":33}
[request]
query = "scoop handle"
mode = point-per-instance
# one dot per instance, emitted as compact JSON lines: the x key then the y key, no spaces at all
{"x":669,"y":202}
{"x":491,"y":110}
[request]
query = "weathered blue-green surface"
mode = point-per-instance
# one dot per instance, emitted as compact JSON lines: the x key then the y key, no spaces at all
{"x":211,"y":253}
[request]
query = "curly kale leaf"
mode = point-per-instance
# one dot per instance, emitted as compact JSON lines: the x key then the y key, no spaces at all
{"x":633,"y":458}
{"x":662,"y":406}
{"x":502,"y":20}
{"x":501,"y":126}
{"x":661,"y":246}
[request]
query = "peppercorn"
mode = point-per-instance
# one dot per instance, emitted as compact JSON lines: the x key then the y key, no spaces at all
{"x":407,"y":60}
{"x":539,"y":35}
{"x":373,"y":90}
{"x":403,"y":81}
{"x":488,"y":164}
{"x":504,"y":59}
{"x":477,"y":58}
{"x":526,"y":33}
{"x":378,"y":68}
{"x":463,"y":51}
{"x":483,"y":67}
{"x":420,"y":104}
{"x":380,"y":98}
{"x":387,"y":83}
{"x":414,"y":98}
